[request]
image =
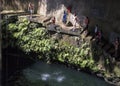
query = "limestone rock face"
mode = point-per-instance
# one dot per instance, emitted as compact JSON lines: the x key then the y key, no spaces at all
{"x":42,"y":7}
{"x":102,"y":12}
{"x":105,"y":13}
{"x":57,"y":7}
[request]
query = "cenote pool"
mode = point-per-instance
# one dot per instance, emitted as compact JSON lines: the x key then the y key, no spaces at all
{"x":42,"y":74}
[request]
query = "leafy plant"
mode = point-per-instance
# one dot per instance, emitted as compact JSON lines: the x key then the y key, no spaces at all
{"x":30,"y":37}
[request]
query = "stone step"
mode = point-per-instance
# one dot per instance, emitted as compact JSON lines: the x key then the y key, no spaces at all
{"x":58,"y":29}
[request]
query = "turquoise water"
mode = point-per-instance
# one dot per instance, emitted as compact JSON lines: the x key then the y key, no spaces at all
{"x":42,"y":74}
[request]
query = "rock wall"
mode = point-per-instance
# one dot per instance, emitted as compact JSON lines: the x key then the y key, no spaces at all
{"x":102,"y":12}
{"x":105,"y":13}
{"x":57,"y":7}
{"x":15,"y":5}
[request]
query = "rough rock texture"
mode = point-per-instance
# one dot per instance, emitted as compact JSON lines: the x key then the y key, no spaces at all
{"x":102,"y":12}
{"x":105,"y":13}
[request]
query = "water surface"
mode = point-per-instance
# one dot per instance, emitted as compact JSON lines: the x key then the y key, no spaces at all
{"x":42,"y":74}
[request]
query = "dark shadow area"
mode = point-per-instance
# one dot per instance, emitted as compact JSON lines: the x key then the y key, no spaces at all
{"x":13,"y":59}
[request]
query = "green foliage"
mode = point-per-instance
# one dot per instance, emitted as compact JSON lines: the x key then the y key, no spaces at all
{"x":84,"y":63}
{"x":31,"y":38}
{"x":107,"y":61}
{"x":95,"y":69}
